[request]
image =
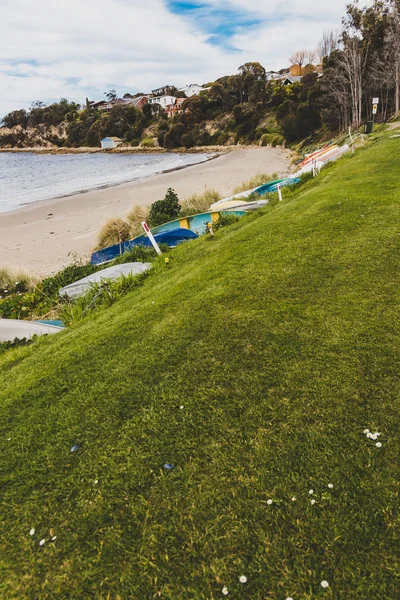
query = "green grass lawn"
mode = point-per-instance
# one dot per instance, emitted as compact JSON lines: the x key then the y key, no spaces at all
{"x":252,"y":363}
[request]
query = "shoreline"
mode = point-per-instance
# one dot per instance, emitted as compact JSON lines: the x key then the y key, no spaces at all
{"x":43,"y":237}
{"x":106,"y":186}
{"x":127,"y":150}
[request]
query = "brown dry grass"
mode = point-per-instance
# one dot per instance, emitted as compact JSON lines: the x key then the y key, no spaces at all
{"x":114,"y":231}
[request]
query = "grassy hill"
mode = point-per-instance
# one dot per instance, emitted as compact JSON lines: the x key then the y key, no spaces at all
{"x":252,"y":364}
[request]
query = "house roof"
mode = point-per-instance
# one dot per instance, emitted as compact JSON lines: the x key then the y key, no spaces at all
{"x":113,"y":138}
{"x":292,"y":79}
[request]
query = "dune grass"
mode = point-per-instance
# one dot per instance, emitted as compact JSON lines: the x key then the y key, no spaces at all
{"x":254,"y":182}
{"x":114,"y":231}
{"x":11,"y":279}
{"x":199,"y":203}
{"x":135,"y":218}
{"x":251,"y":363}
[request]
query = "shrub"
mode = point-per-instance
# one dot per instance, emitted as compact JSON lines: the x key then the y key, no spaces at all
{"x":272,"y":139}
{"x":224,"y":220}
{"x":198,"y":203}
{"x":114,"y":231}
{"x":14,"y":282}
{"x":147,"y":143}
{"x":165,"y":210}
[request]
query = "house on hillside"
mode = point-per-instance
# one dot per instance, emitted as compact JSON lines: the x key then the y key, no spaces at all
{"x":97,"y":105}
{"x":139,"y":102}
{"x":108,"y":143}
{"x":163,"y":101}
{"x":272,"y":75}
{"x":175,"y":109}
{"x":192,"y":90}
{"x":289,"y":80}
{"x":161,"y":91}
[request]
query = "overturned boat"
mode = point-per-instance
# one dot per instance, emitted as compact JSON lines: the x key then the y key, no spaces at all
{"x":81,"y":287}
{"x":15,"y":329}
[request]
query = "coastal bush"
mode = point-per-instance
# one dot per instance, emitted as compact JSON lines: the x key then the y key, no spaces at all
{"x":14,"y":282}
{"x":114,"y":231}
{"x":137,"y":254}
{"x":198,"y":203}
{"x":165,"y":210}
{"x":272,"y":139}
{"x":147,"y":143}
{"x":225,"y":219}
{"x":254,"y":182}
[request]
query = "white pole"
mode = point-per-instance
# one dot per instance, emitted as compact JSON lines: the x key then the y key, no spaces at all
{"x":151,"y":237}
{"x":280,"y":192}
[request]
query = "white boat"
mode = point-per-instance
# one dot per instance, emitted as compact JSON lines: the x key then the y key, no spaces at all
{"x":11,"y":329}
{"x":79,"y":288}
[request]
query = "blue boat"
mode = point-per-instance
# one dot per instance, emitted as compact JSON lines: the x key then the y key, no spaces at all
{"x":272,"y":186}
{"x":172,"y":238}
{"x":171,"y":233}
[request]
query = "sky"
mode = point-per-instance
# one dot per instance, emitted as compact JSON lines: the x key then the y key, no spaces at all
{"x":81,"y":48}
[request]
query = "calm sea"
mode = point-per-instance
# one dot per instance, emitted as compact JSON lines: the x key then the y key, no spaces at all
{"x":26,"y":178}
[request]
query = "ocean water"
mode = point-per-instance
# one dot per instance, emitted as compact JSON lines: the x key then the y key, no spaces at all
{"x":26,"y":177}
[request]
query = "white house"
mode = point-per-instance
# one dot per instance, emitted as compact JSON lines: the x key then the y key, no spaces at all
{"x":192,"y":90}
{"x":163,"y":101}
{"x":110,"y":142}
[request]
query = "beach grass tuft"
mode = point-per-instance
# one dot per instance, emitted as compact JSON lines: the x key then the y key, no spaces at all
{"x":199,"y":203}
{"x":254,"y":182}
{"x":114,"y":231}
{"x":135,"y":217}
{"x":10,"y":279}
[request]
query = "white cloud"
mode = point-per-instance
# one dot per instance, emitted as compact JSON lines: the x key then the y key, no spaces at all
{"x":78,"y":48}
{"x":51,"y":49}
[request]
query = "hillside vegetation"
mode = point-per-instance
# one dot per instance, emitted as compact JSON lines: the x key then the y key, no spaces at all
{"x":251,"y":364}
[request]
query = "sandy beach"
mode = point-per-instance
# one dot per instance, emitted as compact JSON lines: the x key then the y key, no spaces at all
{"x":44,"y":237}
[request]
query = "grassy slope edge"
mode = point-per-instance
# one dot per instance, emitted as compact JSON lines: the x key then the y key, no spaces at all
{"x":280,"y":340}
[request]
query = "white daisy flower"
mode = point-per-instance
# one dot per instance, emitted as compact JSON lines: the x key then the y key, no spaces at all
{"x":42,"y":542}
{"x":311,"y":492}
{"x":373,"y":436}
{"x":294,"y":499}
{"x":378,"y":445}
{"x":324,"y":584}
{"x":53,"y":538}
{"x":225,"y":590}
{"x":270,"y":502}
{"x":182,"y":407}
{"x":313,"y":502}
{"x":289,"y":598}
{"x":330,"y":486}
{"x":32,"y":531}
{"x":243,"y":579}
{"x":96,"y":481}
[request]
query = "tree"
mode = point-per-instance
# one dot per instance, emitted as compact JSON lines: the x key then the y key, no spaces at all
{"x":165,"y":210}
{"x":299,"y":58}
{"x":255,"y":69}
{"x":352,"y":63}
{"x":328,"y":44}
{"x":111,"y":95}
{"x":14,"y":118}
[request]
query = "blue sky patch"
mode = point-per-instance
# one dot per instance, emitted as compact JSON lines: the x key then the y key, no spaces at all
{"x":220,"y":25}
